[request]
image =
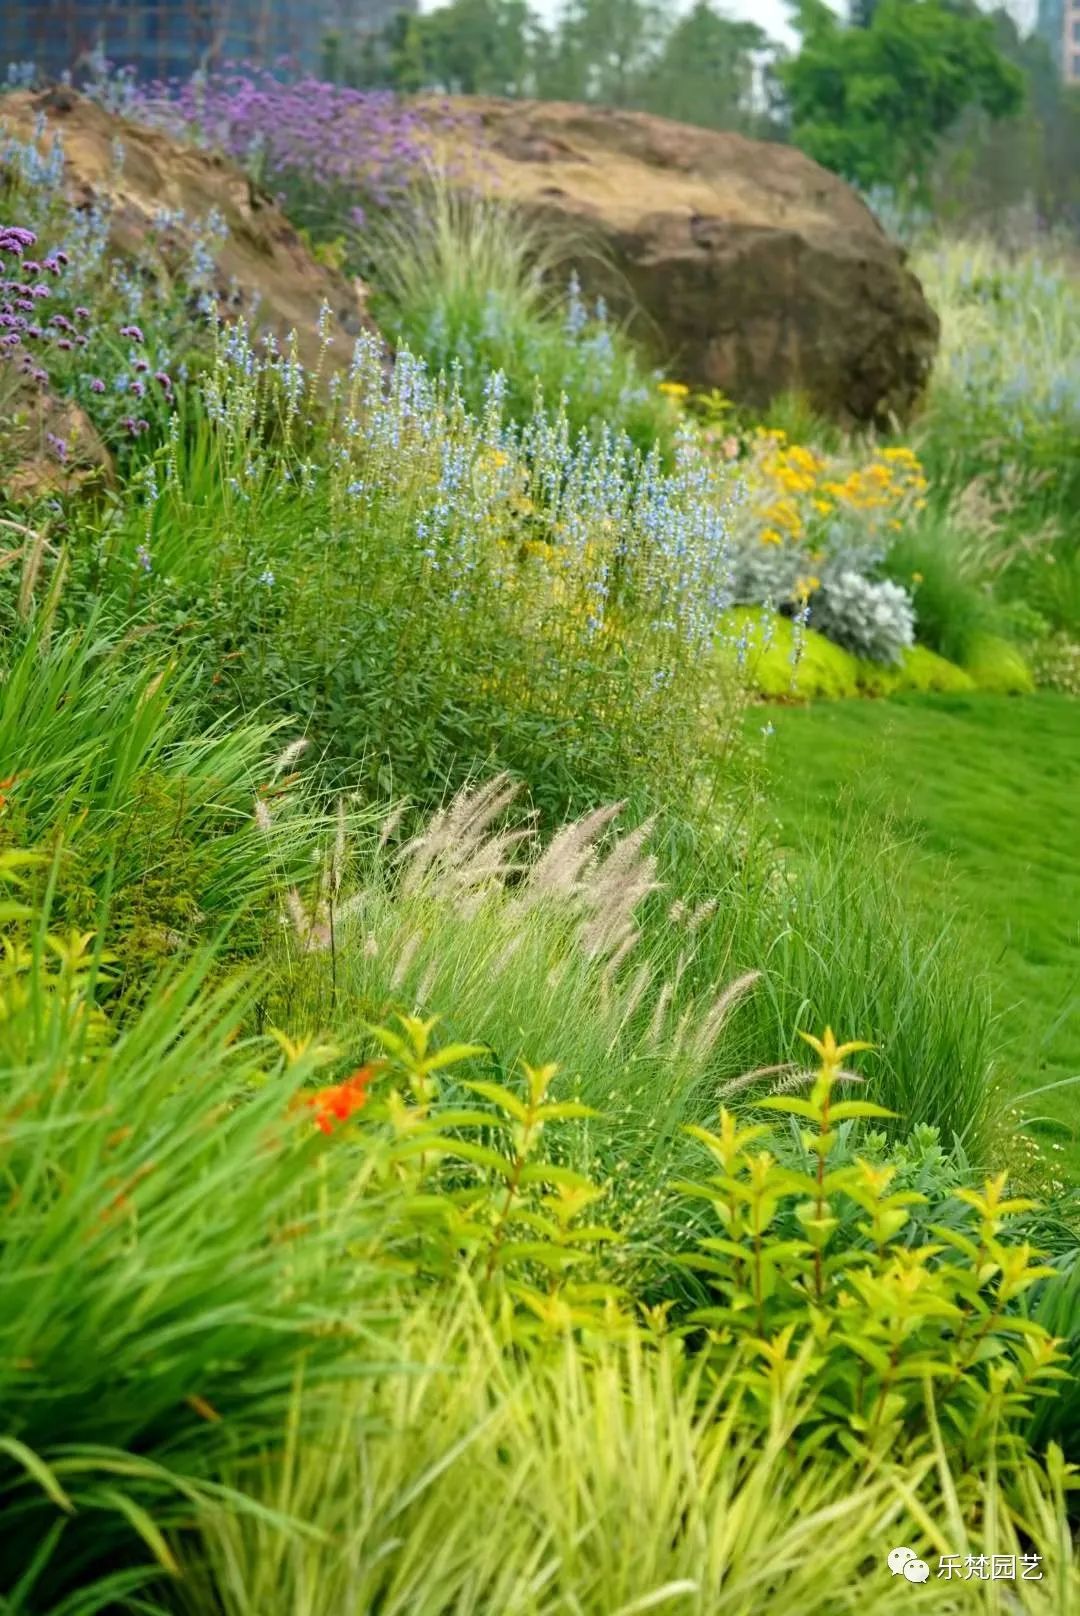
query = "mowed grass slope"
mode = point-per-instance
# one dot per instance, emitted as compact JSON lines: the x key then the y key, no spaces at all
{"x":983,"y":794}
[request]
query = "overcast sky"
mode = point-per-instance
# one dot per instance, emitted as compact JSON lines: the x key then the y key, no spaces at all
{"x":772,"y":15}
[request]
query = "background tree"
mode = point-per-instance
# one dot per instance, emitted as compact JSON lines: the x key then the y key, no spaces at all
{"x":603,"y":50}
{"x":707,"y":72}
{"x":873,"y":103}
{"x":471,"y":47}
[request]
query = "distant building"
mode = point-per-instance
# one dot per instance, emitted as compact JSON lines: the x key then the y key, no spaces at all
{"x":1059,"y":25}
{"x":167,"y":38}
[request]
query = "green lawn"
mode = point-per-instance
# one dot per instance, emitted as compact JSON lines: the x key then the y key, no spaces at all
{"x":985,"y":792}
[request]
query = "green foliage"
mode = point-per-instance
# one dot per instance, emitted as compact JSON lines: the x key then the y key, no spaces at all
{"x":387,"y":1276}
{"x":506,"y":1213}
{"x":920,"y":670}
{"x":997,"y":667}
{"x":655,"y":978}
{"x":873,"y":102}
{"x":701,"y":67}
{"x":952,"y":606}
{"x":414,"y":589}
{"x":1001,"y":430}
{"x":157,"y":1304}
{"x":988,"y":170}
{"x":978,"y":790}
{"x":474,"y":288}
{"x":471,"y":47}
{"x":785,"y":661}
{"x":103,"y":294}
{"x":1055,"y":1304}
{"x":137,"y":811}
{"x":877,"y":1323}
{"x":705,"y":74}
{"x":626,"y":1484}
{"x":1055,"y":664}
{"x":206,"y":1250}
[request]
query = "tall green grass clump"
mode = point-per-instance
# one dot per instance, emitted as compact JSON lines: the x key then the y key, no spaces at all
{"x":169,"y":1255}
{"x":1000,"y":435}
{"x":612,"y":1484}
{"x":141,"y":814}
{"x":660,"y":976}
{"x":479,"y":291}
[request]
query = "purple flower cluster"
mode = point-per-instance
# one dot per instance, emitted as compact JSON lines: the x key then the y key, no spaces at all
{"x":325,"y":137}
{"x":21,"y":292}
{"x":25,"y":332}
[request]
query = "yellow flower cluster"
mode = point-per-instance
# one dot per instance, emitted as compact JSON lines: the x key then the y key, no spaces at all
{"x":793,"y":488}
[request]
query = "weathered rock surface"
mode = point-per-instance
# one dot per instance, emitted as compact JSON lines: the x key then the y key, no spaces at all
{"x":756,"y":270}
{"x":49,"y":446}
{"x":262,"y":254}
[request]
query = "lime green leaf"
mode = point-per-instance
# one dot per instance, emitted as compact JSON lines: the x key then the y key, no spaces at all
{"x":145,"y":1527}
{"x":466,"y":1150}
{"x":790,"y":1107}
{"x":500,"y":1097}
{"x":36,"y":1467}
{"x":549,"y":1173}
{"x":858,"y":1108}
{"x":452,"y":1054}
{"x":564,"y":1111}
{"x":538,"y":1251}
{"x":462,"y":1118}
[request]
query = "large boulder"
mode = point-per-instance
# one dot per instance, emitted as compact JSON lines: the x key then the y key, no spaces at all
{"x":756,"y":270}
{"x":262,"y":256}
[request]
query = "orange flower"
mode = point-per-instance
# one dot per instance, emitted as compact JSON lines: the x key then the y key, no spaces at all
{"x":5,"y":787}
{"x":340,"y":1101}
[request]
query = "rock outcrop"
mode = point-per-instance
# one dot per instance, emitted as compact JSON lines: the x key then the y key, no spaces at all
{"x":755,"y":270}
{"x":261,"y":255}
{"x":49,"y":446}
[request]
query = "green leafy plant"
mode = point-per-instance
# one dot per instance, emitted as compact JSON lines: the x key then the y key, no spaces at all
{"x":877,"y":1323}
{"x":470,"y":284}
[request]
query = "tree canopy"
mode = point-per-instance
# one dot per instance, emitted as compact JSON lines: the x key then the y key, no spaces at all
{"x":873,"y":99}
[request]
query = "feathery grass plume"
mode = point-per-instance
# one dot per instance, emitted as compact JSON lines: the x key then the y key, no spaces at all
{"x":561,"y":866}
{"x":33,"y":557}
{"x":703,"y":913}
{"x":455,"y":834}
{"x":626,"y":1007}
{"x":659,"y":1014}
{"x":288,"y":756}
{"x":406,"y":955}
{"x":613,"y":887}
{"x":716,"y":1016}
{"x":312,"y":928}
{"x":789,"y":1076}
{"x":337,"y":857}
{"x":391,"y":822}
{"x":621,"y":954}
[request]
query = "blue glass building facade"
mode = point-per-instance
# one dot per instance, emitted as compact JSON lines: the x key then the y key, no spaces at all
{"x":163,"y":38}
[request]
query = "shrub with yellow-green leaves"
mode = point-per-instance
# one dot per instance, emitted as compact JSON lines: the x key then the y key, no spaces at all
{"x":888,"y":1336}
{"x":896,"y":1333}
